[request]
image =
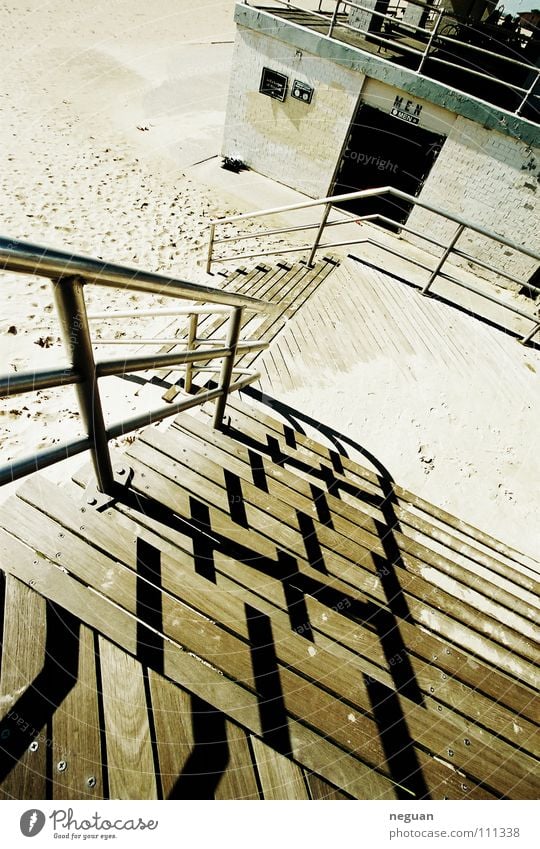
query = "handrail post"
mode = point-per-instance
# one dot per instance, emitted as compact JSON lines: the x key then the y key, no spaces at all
{"x":210,"y":248}
{"x":528,"y":93}
{"x":69,"y":298}
{"x":334,"y":18}
{"x":448,"y":250}
{"x":227,"y":366}
{"x":430,"y":42}
{"x":192,"y":335}
{"x":322,"y":225}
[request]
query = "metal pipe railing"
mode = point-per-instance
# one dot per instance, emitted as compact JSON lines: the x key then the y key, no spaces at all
{"x":71,"y":308}
{"x":448,"y":249}
{"x":434,"y":37}
{"x":69,"y":274}
{"x":57,"y":265}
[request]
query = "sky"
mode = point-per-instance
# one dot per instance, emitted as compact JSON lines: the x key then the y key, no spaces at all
{"x":513,"y":6}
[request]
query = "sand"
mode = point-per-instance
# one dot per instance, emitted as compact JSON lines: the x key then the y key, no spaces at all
{"x":103,"y":110}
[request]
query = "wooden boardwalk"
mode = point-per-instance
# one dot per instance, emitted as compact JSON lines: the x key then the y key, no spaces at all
{"x":258,"y":616}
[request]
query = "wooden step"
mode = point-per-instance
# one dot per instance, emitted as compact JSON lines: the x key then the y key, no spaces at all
{"x":285,"y":287}
{"x":320,"y":682}
{"x":354,"y":521}
{"x":448,"y":529}
{"x":161,"y":741}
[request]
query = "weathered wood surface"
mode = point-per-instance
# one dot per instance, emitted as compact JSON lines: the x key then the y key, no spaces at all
{"x":286,"y":287}
{"x":239,"y":631}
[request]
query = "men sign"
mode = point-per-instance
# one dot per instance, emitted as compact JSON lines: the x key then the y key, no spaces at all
{"x":407,"y":111}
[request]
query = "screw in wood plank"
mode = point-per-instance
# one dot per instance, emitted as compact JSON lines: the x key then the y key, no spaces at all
{"x":61,"y":766}
{"x":91,"y":782}
{"x":467,"y":741}
{"x":450,"y":753}
{"x":34,"y":746}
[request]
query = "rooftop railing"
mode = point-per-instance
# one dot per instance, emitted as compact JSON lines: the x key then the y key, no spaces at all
{"x":448,"y":42}
{"x":69,"y":274}
{"x":438,"y":271}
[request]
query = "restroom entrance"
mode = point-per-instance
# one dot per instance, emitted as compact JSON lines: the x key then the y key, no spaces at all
{"x":387,"y":149}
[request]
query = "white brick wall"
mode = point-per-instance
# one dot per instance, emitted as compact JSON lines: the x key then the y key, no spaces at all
{"x":492,"y":179}
{"x":294,"y":143}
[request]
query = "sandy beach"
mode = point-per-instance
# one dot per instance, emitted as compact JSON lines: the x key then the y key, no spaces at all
{"x":103,"y":110}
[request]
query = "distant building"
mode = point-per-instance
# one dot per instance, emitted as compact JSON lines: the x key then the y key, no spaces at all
{"x":444,"y":105}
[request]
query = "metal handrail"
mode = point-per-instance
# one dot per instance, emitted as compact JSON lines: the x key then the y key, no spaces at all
{"x":69,"y":273}
{"x":327,"y":203}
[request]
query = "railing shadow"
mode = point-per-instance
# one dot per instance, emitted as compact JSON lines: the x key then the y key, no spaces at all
{"x":208,"y":541}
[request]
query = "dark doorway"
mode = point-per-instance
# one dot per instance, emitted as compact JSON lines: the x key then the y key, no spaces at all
{"x":383,"y":150}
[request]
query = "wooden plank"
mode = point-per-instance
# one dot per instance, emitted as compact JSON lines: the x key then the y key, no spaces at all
{"x":209,"y":326}
{"x":320,"y":789}
{"x":238,"y":780}
{"x":510,"y":562}
{"x":431,"y":606}
{"x":280,"y":777}
{"x":346,"y":516}
{"x":307,"y":747}
{"x":295,"y":492}
{"x":239,"y":670}
{"x":76,"y":732}
{"x":453,"y":661}
{"x":130,"y":759}
{"x":171,"y":708}
{"x":227,"y":653}
{"x":434,"y":675}
{"x":24,"y":771}
{"x":289,"y":305}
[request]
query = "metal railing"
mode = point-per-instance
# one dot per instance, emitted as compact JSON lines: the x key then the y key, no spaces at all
{"x":69,"y":274}
{"x":448,"y":249}
{"x":434,"y":40}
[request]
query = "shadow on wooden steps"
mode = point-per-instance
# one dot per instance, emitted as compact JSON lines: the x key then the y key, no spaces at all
{"x":285,"y":286}
{"x":259,"y":616}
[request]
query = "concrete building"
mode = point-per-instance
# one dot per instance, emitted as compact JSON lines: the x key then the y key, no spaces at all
{"x":327,"y":104}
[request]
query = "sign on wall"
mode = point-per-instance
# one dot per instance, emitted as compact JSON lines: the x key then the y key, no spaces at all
{"x":407,"y":110}
{"x":302,"y":91}
{"x":273,"y":84}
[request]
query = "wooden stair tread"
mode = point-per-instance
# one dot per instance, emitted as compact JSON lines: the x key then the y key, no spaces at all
{"x":195,"y":634}
{"x":519,"y":568}
{"x":232,"y":591}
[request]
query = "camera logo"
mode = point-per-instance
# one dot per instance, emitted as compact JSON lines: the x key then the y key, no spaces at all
{"x":32,"y":822}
